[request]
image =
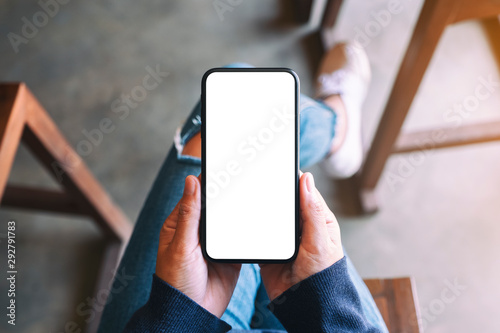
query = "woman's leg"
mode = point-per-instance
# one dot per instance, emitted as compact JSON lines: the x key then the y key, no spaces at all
{"x":317,"y":130}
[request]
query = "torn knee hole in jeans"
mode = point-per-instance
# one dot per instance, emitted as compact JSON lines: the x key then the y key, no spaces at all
{"x":180,"y":143}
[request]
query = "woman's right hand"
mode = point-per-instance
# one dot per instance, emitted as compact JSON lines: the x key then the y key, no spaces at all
{"x":320,"y":243}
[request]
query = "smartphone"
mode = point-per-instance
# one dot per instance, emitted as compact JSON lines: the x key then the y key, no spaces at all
{"x":250,"y":165}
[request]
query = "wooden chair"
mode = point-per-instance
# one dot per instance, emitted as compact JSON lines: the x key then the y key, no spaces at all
{"x":22,"y":118}
{"x":435,"y":16}
{"x":395,"y":298}
{"x":397,"y":301}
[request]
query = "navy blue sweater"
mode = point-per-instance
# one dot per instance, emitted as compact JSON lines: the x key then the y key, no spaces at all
{"x":324,"y":302}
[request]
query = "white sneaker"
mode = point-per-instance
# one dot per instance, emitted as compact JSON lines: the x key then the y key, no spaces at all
{"x":345,"y":71}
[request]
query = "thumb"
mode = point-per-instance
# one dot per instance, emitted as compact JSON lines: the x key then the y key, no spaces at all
{"x":188,"y":222}
{"x":312,"y":211}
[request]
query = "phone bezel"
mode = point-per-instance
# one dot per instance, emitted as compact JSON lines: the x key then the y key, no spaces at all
{"x":203,"y":166}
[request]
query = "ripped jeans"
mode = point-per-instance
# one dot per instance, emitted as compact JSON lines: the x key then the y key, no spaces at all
{"x":249,"y":299}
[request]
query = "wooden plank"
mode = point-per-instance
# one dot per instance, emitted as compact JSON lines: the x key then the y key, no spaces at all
{"x":406,"y":305}
{"x":12,"y":116}
{"x":47,"y":143}
{"x":21,"y":197}
{"x":447,"y":137}
{"x":397,"y":302}
{"x":383,"y":307}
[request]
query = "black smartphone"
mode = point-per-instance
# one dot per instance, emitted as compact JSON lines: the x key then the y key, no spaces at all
{"x":250,"y":165}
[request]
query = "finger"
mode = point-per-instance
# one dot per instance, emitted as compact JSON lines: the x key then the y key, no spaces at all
{"x":188,"y":220}
{"x":300,"y":222}
{"x":332,"y":224}
{"x":330,"y":217}
{"x":168,"y":229}
{"x":329,"y":214}
{"x":312,"y":211}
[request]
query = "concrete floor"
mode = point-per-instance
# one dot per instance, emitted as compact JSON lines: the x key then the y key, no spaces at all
{"x":440,"y":224}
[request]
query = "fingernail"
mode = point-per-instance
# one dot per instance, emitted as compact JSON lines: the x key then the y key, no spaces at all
{"x":189,"y":186}
{"x":310,"y":183}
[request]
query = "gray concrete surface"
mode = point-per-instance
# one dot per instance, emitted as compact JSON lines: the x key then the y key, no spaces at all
{"x":440,"y":224}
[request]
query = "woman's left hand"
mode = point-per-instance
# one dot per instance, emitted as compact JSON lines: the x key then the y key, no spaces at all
{"x":180,"y":261}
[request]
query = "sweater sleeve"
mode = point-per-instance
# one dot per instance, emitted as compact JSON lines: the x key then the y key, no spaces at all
{"x":169,"y":310}
{"x":324,"y":302}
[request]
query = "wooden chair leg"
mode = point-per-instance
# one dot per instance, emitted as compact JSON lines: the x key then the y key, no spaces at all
{"x":12,"y":117}
{"x":475,"y":9}
{"x":491,"y":27}
{"x":433,"y":20}
{"x":50,"y":147}
{"x":331,"y":13}
{"x":23,"y":118}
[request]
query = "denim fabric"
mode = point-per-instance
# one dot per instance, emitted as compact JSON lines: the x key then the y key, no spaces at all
{"x":317,"y":130}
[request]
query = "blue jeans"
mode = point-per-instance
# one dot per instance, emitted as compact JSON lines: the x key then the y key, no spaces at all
{"x":247,"y":308}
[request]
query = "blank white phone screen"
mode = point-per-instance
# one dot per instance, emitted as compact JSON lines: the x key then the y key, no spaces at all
{"x":250,"y":165}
